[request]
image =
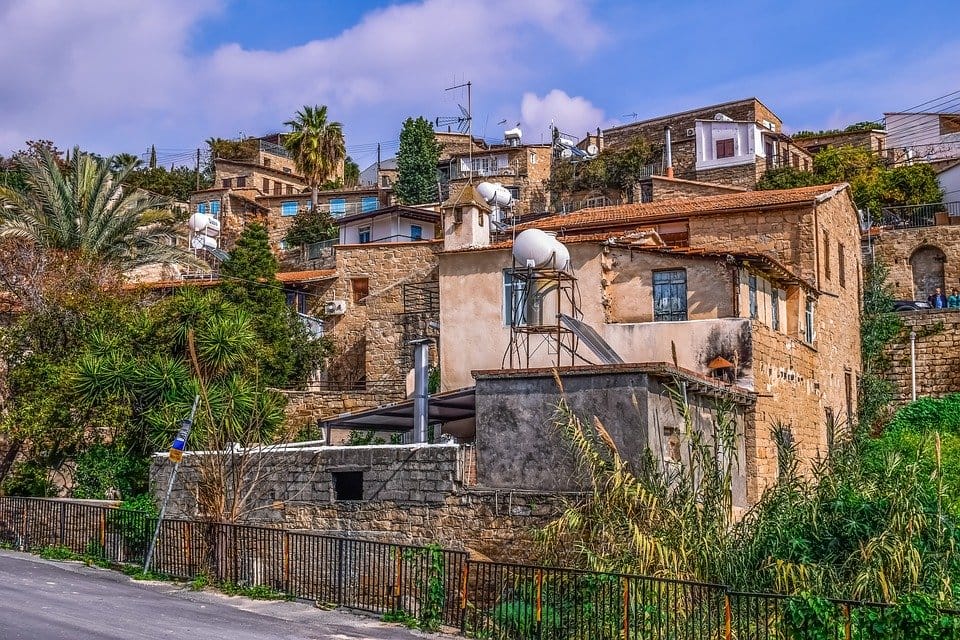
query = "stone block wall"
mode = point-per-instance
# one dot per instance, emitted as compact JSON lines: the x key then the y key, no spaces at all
{"x":937,"y":355}
{"x":895,"y":247}
{"x":657,"y":188}
{"x":412,"y":494}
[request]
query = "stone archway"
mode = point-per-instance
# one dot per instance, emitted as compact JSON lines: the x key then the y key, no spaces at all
{"x":927,"y":265}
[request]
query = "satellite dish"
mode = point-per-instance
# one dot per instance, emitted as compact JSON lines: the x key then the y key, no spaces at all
{"x":592,"y":149}
{"x":566,"y":154}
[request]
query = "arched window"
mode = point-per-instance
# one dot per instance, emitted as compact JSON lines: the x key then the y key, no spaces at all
{"x":927,"y":265}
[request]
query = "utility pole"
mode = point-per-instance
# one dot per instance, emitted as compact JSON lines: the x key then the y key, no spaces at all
{"x":198,"y":169}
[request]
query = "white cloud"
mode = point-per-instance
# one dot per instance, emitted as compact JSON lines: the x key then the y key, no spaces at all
{"x":574,"y":115}
{"x":115,"y":74}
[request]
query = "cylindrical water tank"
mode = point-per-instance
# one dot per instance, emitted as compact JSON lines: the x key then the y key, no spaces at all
{"x":198,"y":221}
{"x":204,"y":242}
{"x":495,"y":194}
{"x":540,"y":249}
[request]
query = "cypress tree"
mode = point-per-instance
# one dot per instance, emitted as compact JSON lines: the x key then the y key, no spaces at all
{"x":417,"y":159}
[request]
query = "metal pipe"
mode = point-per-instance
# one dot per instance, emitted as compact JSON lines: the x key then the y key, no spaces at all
{"x":913,"y":364}
{"x":667,"y":151}
{"x":421,"y":392}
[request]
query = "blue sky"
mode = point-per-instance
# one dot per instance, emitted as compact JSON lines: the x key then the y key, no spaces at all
{"x":118,"y":75}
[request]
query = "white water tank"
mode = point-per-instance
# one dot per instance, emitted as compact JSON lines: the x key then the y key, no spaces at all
{"x":203,"y":242}
{"x":537,"y":248}
{"x":495,"y":194}
{"x":198,"y":221}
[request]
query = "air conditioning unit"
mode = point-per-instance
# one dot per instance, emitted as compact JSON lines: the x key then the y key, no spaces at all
{"x":335,"y":308}
{"x":691,"y":132}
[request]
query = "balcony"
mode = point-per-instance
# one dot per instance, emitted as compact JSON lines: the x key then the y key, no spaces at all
{"x":913,"y":216}
{"x":314,"y":326}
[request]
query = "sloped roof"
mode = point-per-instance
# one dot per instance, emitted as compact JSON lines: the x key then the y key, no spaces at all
{"x":631,"y":215}
{"x":291,"y":277}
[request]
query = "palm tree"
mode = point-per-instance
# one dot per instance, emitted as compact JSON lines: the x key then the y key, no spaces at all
{"x":85,"y":209}
{"x":316,"y":145}
{"x":122,"y":160}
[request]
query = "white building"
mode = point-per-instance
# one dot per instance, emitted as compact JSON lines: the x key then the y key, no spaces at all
{"x":924,"y":136}
{"x":390,"y":224}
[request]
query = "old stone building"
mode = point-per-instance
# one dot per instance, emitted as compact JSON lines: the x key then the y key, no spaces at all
{"x":760,"y":289}
{"x":732,"y":143}
{"x":522,"y":169}
{"x":874,"y":140}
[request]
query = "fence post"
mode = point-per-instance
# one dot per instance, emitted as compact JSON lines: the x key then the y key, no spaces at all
{"x":626,"y":608}
{"x":340,"y":555}
{"x":24,"y":539}
{"x":63,"y":524}
{"x":539,"y":579}
{"x":398,"y":581}
{"x":464,"y":578}
{"x":188,"y":543}
{"x":728,"y":615}
{"x":846,"y":621}
{"x":286,"y":562}
{"x":103,"y":530}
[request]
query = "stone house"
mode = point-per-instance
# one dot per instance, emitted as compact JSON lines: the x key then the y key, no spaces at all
{"x":874,"y":140}
{"x":521,"y":169}
{"x":760,"y":290}
{"x":733,"y":143}
{"x":283,"y":209}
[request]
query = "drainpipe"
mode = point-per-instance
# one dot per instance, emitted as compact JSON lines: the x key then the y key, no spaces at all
{"x":421,"y":394}
{"x":668,"y":151}
{"x":913,"y":364}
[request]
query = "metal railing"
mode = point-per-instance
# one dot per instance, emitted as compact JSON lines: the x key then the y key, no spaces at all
{"x":482,"y":599}
{"x":916,"y":216}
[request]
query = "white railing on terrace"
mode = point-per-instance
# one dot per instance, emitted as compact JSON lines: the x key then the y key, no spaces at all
{"x":273,"y":149}
{"x":336,"y":211}
{"x":457,"y":173}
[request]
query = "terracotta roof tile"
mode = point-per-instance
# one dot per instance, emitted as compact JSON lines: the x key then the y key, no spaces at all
{"x":306,"y":276}
{"x":567,"y":239}
{"x":630,"y":215}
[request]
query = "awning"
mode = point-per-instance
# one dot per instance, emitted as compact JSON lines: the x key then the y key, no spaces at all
{"x":398,"y":416}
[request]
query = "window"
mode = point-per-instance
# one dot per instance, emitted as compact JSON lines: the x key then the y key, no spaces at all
{"x":277,"y":188}
{"x":226,"y":183}
{"x":385,"y":182}
{"x":514,"y":192}
{"x":364,"y":234}
{"x":752,"y":286}
{"x":848,"y":393}
{"x":241,"y":181}
{"x":338,"y":205}
{"x":297,"y":300}
{"x":775,"y":309}
{"x":416,"y":232}
{"x":360,"y":289}
{"x":841,"y":265}
{"x":826,"y":254}
{"x":514,"y":312}
{"x":266,"y":185}
{"x":288,"y":208}
{"x":348,"y":485}
{"x":369,"y":203}
{"x":670,"y":295}
{"x":795,"y":160}
{"x":809,"y":333}
{"x":289,"y":190}
{"x":725,"y":148}
{"x":201,"y":207}
{"x":215,"y":208}
{"x":266,"y":162}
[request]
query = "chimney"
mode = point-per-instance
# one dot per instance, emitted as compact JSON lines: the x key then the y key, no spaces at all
{"x":599,"y":139}
{"x":667,"y":152}
{"x":421,"y":393}
{"x":466,"y":220}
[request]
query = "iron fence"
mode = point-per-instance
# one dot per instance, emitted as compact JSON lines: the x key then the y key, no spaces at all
{"x":916,"y":215}
{"x":482,"y":599}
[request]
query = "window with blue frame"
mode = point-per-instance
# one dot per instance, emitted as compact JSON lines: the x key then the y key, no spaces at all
{"x":416,"y":232}
{"x":215,"y":207}
{"x":369,"y":203}
{"x":201,"y":207}
{"x":338,"y":206}
{"x":364,"y":235}
{"x":288,"y":208}
{"x":670,"y":295}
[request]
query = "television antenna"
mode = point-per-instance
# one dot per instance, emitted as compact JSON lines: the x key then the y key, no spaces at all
{"x":467,"y":115}
{"x":633,"y":116}
{"x":462,"y":121}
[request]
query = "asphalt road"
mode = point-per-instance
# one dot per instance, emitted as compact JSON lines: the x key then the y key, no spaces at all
{"x":44,"y":600}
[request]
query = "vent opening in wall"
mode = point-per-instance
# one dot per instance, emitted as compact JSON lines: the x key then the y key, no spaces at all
{"x":348,"y":485}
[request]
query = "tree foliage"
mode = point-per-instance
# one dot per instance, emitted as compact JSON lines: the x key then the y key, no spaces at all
{"x":286,"y":354}
{"x":177,"y":183}
{"x":85,"y":208}
{"x":311,"y":226}
{"x":351,"y":173}
{"x":873,"y":185}
{"x":417,"y":158}
{"x":316,"y":145}
{"x":616,"y":170}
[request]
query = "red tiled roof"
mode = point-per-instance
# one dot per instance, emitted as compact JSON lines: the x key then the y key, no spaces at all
{"x":306,"y":276}
{"x":630,"y":215}
{"x":567,"y":239}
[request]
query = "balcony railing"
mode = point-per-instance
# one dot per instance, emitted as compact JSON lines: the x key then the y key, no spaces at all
{"x":316,"y":250}
{"x":314,"y":326}
{"x":914,"y":216}
{"x":456,"y":173}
